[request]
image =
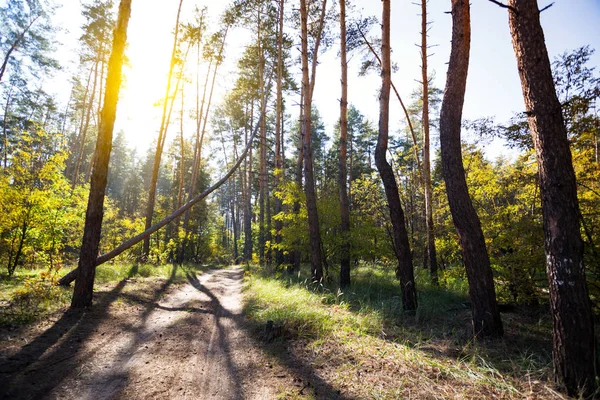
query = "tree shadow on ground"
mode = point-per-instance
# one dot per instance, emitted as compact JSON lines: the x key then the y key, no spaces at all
{"x":32,"y":372}
{"x":441,"y":327}
{"x":303,"y":374}
{"x":222,"y":342}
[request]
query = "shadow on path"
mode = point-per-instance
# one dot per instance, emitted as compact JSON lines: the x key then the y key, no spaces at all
{"x":33,"y":372}
{"x":299,"y":369}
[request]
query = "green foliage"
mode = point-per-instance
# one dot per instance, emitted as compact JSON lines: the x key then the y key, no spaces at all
{"x":41,"y":215}
{"x":26,"y":36}
{"x":30,"y":296}
{"x":369,"y":238}
{"x":370,"y":233}
{"x":117,"y":228}
{"x":506,"y":198}
{"x":295,"y":225}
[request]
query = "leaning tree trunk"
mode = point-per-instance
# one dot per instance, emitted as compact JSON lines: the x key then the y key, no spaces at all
{"x":431,"y":253}
{"x":486,"y":317}
{"x":573,"y":328}
{"x":401,"y":245}
{"x":343,"y":173}
{"x":84,"y":286}
{"x":74,"y":274}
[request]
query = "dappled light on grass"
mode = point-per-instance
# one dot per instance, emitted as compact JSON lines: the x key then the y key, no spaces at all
{"x":305,"y":313}
{"x":363,"y":343}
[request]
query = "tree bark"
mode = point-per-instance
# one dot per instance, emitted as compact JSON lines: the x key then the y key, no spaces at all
{"x":316,"y":256}
{"x":343,"y":173}
{"x":486,"y":318}
{"x":404,"y":109}
{"x":431,"y":253}
{"x":14,"y":263}
{"x":296,"y":257}
{"x":182,"y":160}
{"x":84,"y":287}
{"x":404,"y":270}
{"x":198,"y":152}
{"x":572,"y":322}
{"x":248,"y":201}
{"x":97,"y":114}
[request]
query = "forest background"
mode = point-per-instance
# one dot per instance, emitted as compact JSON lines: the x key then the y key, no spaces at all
{"x":52,"y":88}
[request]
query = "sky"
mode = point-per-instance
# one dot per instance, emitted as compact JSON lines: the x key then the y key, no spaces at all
{"x":493,"y":86}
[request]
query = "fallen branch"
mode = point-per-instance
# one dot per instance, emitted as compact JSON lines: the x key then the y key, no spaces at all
{"x":71,"y":276}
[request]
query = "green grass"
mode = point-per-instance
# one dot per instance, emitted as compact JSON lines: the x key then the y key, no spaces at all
{"x":372,"y":305}
{"x":31,"y":294}
{"x":306,"y":313}
{"x":351,"y":332}
{"x":10,"y":284}
{"x":28,"y":295}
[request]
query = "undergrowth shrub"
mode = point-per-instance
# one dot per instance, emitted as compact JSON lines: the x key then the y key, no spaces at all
{"x":37,"y":295}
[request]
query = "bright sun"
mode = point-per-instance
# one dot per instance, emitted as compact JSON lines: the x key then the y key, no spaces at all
{"x":150,"y":41}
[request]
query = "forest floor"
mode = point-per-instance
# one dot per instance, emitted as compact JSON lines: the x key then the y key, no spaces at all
{"x":200,"y":335}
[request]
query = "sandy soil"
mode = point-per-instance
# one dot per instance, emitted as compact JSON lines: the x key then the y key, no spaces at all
{"x":161,"y":341}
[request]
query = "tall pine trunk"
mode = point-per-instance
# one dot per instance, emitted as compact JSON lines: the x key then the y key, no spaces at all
{"x":572,"y":322}
{"x":262,"y":175}
{"x":343,"y":173}
{"x":84,"y":286}
{"x":296,"y":256}
{"x":401,"y":245}
{"x":486,"y":318}
{"x":248,"y":199}
{"x":161,"y":139}
{"x":316,"y":256}
{"x":84,"y":132}
{"x":431,"y":253}
{"x":182,"y":160}
{"x":201,"y":133}
{"x":198,"y":141}
{"x":278,"y":134}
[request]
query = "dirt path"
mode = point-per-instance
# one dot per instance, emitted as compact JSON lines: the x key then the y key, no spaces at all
{"x":188,"y":341}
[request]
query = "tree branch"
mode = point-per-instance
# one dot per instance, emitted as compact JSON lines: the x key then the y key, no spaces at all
{"x":410,"y":126}
{"x":499,"y":4}
{"x":547,"y":7}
